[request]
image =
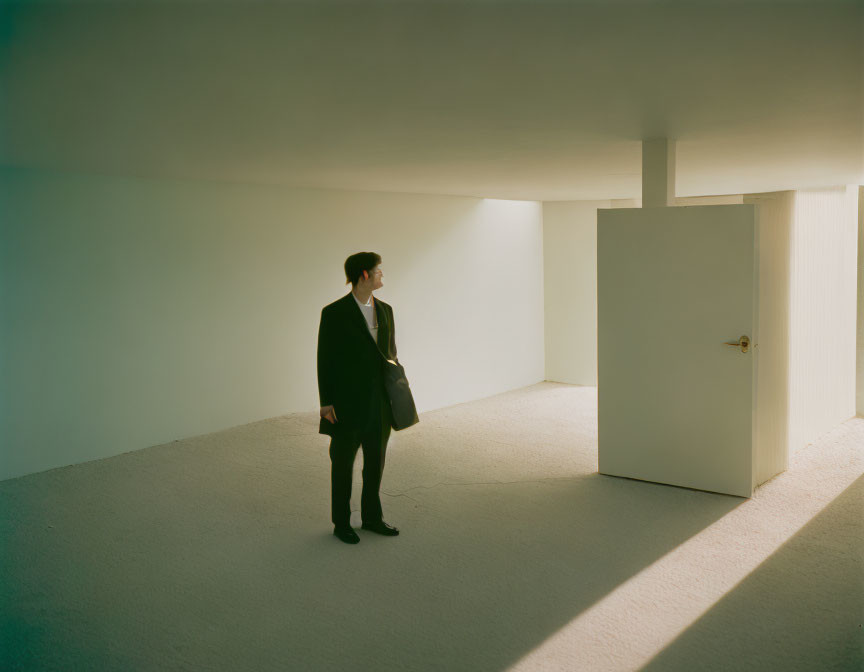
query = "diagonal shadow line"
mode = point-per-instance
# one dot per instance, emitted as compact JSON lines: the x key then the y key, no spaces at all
{"x":801,"y":609}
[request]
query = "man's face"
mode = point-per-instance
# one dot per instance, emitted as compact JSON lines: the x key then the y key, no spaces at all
{"x":376,"y":275}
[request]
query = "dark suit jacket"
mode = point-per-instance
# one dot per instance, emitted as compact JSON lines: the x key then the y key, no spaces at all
{"x":350,"y":366}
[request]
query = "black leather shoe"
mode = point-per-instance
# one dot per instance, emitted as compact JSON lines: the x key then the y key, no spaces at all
{"x":347,"y":534}
{"x":381,"y":528}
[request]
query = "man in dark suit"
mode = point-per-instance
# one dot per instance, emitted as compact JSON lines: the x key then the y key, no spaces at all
{"x":355,"y":336}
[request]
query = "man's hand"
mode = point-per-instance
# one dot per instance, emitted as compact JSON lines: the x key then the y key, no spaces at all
{"x":329,"y":413}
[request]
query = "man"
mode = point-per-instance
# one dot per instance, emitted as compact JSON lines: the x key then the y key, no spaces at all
{"x":356,"y":334}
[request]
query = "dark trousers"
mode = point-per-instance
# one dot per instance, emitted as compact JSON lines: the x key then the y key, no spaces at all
{"x":343,"y":450}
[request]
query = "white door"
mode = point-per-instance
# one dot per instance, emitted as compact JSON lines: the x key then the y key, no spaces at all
{"x":675,"y":402}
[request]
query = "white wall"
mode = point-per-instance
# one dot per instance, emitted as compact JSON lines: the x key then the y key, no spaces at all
{"x":570,"y":271}
{"x":860,"y":360}
{"x":822,"y":312}
{"x":139,"y":311}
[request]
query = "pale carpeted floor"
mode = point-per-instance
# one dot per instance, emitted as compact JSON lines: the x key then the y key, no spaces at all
{"x":216,"y":553}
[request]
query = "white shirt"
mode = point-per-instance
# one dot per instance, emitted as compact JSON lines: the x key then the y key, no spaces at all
{"x":368,"y":310}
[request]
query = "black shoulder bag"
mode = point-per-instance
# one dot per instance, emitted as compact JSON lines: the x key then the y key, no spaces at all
{"x":401,"y":399}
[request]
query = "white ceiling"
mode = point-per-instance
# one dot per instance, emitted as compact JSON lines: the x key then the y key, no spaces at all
{"x":531,"y":100}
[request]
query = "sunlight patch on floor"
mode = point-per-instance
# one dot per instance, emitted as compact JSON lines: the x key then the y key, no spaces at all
{"x":642,"y":616}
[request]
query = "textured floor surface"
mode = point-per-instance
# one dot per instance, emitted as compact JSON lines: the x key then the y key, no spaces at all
{"x":216,"y":553}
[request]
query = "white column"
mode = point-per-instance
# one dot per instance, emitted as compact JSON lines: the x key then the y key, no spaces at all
{"x":658,"y":173}
{"x":822,"y":304}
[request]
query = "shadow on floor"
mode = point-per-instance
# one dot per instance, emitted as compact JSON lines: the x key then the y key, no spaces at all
{"x":481,"y":575}
{"x":800,"y":610}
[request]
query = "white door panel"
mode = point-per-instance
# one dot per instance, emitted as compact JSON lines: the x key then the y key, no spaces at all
{"x":675,"y":403}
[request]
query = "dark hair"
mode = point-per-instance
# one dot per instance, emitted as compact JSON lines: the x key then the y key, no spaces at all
{"x":357,"y":263}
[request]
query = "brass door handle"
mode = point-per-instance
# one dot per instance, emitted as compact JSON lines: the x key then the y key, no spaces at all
{"x":743,"y":343}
